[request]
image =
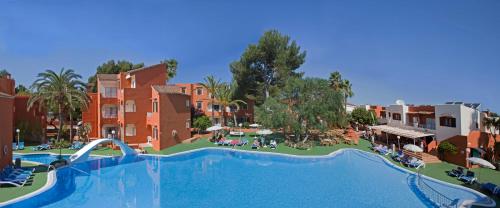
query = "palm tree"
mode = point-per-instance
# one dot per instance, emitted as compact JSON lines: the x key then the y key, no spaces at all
{"x":493,"y":125}
{"x":61,"y":91}
{"x":347,"y":91}
{"x":171,"y":65}
{"x":211,"y":84}
{"x":336,"y":81}
{"x":224,"y":95}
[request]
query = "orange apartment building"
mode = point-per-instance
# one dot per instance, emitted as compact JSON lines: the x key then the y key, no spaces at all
{"x":201,"y":102}
{"x":138,"y":108}
{"x":15,"y":114}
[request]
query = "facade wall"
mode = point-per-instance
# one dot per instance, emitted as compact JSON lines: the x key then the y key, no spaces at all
{"x":400,"y":109}
{"x":445,"y":132}
{"x":174,"y":117}
{"x":7,"y":130}
{"x":34,"y":120}
{"x":90,"y":115}
{"x":206,"y":109}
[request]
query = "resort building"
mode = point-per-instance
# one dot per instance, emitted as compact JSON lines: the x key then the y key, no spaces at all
{"x":137,"y":107}
{"x":201,"y":102}
{"x":428,"y":125}
{"x":15,"y":115}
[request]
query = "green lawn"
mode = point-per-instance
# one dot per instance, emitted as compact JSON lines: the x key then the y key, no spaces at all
{"x":99,"y":151}
{"x":39,"y":180}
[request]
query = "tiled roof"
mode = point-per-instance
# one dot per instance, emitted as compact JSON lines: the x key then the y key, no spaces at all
{"x":168,"y":89}
{"x":143,"y":68}
{"x":107,"y":76}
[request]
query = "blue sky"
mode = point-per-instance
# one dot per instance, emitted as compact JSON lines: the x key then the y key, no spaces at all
{"x":424,"y":52}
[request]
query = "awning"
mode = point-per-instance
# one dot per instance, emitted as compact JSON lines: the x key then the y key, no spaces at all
{"x":412,"y":134}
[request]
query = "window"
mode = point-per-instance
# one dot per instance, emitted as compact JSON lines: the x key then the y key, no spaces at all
{"x":130,"y":130}
{"x":216,"y":107}
{"x":382,"y":114}
{"x":155,"y":133}
{"x":132,"y":84}
{"x":389,"y":115}
{"x":199,"y":105}
{"x":448,"y":121}
{"x":183,"y":90}
{"x":130,"y":106}
{"x":110,"y":112}
{"x":233,"y":108}
{"x":155,"y":105}
{"x":187,"y":104}
{"x":110,"y":92}
{"x":396,"y":116}
{"x":199,"y":91}
{"x":188,"y":124}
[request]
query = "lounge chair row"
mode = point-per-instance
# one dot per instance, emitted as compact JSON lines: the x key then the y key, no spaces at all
{"x":231,"y":142}
{"x":468,"y":177}
{"x":406,"y":160}
{"x":19,"y":146}
{"x":15,"y":176}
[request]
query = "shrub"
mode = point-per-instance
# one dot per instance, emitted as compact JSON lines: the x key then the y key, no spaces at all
{"x":447,"y":147}
{"x":202,"y":123}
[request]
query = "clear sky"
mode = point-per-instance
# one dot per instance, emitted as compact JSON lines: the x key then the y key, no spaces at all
{"x":421,"y":51}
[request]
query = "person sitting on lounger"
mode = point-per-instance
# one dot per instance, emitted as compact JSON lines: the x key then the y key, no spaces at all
{"x":273,"y":144}
{"x":255,"y":144}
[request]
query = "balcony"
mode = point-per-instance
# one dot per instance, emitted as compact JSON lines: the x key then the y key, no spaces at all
{"x":149,"y":118}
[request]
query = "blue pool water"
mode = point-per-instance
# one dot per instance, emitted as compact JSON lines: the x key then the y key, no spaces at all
{"x":42,"y":158}
{"x":224,"y":178}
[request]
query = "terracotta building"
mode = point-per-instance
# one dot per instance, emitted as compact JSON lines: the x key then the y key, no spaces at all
{"x":124,"y":105}
{"x":7,"y":130}
{"x":201,"y":102}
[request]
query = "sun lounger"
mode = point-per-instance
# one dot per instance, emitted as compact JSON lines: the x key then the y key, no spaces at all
{"x":385,"y":151}
{"x":41,"y":147}
{"x":492,"y":188}
{"x":19,"y":170}
{"x":76,"y":145}
{"x":416,"y":163}
{"x":243,"y":142}
{"x":459,"y":171}
{"x":13,"y":182}
{"x":469,"y":177}
{"x":398,"y":157}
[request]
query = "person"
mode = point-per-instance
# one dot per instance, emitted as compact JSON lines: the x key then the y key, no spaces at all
{"x":255,"y":144}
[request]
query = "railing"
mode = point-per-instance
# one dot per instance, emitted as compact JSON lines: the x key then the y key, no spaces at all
{"x":438,"y":198}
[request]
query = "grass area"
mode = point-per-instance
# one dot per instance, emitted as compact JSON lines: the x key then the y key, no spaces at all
{"x":98,"y":151}
{"x":316,"y":150}
{"x":38,"y":181}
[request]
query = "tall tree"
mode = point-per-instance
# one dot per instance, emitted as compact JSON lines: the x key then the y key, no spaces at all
{"x":336,"y":81}
{"x":224,"y":95}
{"x":492,"y":124}
{"x":112,"y":67}
{"x":264,"y":67}
{"x":171,"y":67}
{"x":60,"y":91}
{"x":211,"y":84}
{"x":347,"y":91}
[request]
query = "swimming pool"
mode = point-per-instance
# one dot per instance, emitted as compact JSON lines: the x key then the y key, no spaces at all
{"x":44,"y":158}
{"x":226,"y":178}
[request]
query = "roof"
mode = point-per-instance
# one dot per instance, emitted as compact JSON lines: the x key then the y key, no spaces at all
{"x":470,"y":105}
{"x":167,"y":89}
{"x":412,"y":134}
{"x":143,"y":68}
{"x":107,"y":76}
